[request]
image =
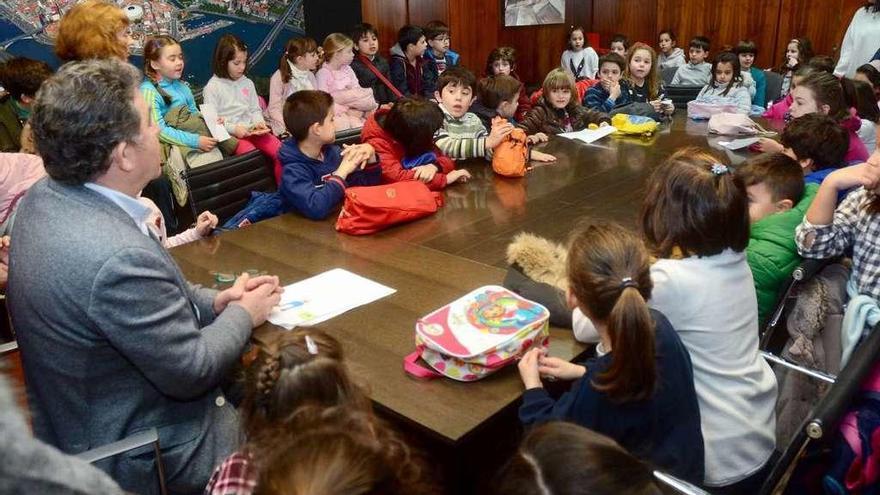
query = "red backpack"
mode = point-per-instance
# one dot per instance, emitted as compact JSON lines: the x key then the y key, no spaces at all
{"x":370,"y":209}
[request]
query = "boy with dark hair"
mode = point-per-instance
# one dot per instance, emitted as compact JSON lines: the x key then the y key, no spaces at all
{"x":818,"y":143}
{"x":496,"y":96}
{"x":619,"y":45}
{"x":697,"y":71}
{"x":371,"y":69}
{"x":410,"y":72}
{"x":21,"y":77}
{"x":316,"y":171}
{"x":463,"y":135}
{"x":778,"y":201}
{"x":437,"y":35}
{"x":606,"y":95}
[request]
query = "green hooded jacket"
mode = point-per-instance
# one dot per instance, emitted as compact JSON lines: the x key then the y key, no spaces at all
{"x":772,"y":253}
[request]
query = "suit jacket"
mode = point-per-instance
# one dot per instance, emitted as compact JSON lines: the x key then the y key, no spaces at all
{"x":114,"y":340}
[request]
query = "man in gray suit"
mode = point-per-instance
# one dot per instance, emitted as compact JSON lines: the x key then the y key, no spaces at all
{"x":113,"y":338}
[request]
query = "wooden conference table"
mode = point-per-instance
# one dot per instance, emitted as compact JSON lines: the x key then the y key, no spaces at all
{"x":436,"y":260}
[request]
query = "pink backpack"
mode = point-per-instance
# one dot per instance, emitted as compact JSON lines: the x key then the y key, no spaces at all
{"x":478,"y":334}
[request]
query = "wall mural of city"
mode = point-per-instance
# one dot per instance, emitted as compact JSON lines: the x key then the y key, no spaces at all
{"x":27,"y":28}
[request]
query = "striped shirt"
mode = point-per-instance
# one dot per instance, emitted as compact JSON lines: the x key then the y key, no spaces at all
{"x":462,"y":138}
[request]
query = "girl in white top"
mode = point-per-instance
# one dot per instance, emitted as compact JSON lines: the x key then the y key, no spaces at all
{"x":695,"y":219}
{"x":295,"y":73}
{"x":861,"y":40}
{"x":580,"y":60}
{"x":235,"y":98}
{"x":726,"y":85}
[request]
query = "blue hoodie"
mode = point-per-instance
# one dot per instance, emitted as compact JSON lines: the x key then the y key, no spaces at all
{"x":309,"y":186}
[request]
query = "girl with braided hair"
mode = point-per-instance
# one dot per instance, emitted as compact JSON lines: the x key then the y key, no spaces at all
{"x":303,"y":367}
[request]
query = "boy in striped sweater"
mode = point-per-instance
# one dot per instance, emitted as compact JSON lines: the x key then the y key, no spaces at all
{"x":463,"y":135}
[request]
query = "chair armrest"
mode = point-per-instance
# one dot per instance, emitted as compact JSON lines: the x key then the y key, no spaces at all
{"x":128,"y":443}
{"x":680,"y":486}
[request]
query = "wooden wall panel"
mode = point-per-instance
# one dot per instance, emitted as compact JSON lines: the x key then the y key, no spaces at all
{"x":723,"y":26}
{"x":387,"y":16}
{"x":819,"y":20}
{"x":636,"y":19}
{"x":422,"y":12}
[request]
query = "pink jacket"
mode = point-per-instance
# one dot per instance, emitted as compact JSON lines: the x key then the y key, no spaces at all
{"x":278,"y":93}
{"x":779,"y":109}
{"x":18,"y":172}
{"x":347,"y":92}
{"x":857,"y":152}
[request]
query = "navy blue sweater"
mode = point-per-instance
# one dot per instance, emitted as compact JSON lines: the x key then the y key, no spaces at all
{"x":597,"y":98}
{"x":664,"y":429}
{"x":308,"y":186}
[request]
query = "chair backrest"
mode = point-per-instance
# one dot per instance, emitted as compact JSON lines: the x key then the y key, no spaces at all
{"x":348,"y":136}
{"x":681,"y":95}
{"x":821,"y":424}
{"x":224,"y":187}
{"x":667,"y":74}
{"x":774,"y":85}
{"x":771,"y":329}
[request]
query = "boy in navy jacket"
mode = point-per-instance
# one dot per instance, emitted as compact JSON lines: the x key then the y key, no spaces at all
{"x":315,"y":172}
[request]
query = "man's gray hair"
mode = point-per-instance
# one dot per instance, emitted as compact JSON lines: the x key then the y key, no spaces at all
{"x":81,"y":114}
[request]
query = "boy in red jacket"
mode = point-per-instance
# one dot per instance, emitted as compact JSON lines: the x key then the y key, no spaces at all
{"x":403,"y":138}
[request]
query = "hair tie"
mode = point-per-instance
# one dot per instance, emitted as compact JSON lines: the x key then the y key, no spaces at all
{"x":628,"y":282}
{"x":719,"y":169}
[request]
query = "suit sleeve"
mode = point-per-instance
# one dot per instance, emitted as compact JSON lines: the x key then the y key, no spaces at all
{"x":158,"y":333}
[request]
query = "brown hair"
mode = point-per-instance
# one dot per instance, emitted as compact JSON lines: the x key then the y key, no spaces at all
{"x":558,"y":78}
{"x":285,"y":376}
{"x":153,"y":52}
{"x":571,"y":31}
{"x":505,"y":53}
{"x":336,"y":451}
{"x":565,"y":458}
{"x":435,"y":28}
{"x":296,"y":47}
{"x":302,"y":109}
{"x":827,"y":90}
{"x":693,"y":208}
{"x":817,"y":137}
{"x":495,"y":90}
{"x":227,"y":46}
{"x":336,"y":42}
{"x":456,"y":76}
{"x":780,"y":173}
{"x":22,"y":76}
{"x":805,"y":54}
{"x":613,"y":58}
{"x":412,"y":122}
{"x":652,"y":80}
{"x":609,"y":274}
{"x":861,"y":95}
{"x":89,"y":30}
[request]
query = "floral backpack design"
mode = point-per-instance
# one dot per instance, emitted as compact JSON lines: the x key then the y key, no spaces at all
{"x":477,"y":334}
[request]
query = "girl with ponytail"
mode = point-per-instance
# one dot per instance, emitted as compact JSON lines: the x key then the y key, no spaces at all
{"x":301,"y":368}
{"x":639,"y":390}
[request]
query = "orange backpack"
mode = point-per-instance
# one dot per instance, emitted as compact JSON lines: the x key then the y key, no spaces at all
{"x":511,"y":157}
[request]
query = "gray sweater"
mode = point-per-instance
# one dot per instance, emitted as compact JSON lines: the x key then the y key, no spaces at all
{"x":116,"y":341}
{"x":692,"y":74}
{"x":28,"y":465}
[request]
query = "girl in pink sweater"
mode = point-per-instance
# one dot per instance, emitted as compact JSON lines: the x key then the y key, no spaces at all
{"x":295,"y":73}
{"x":352,"y":103}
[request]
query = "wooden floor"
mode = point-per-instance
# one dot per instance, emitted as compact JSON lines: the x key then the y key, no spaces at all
{"x":436,"y":260}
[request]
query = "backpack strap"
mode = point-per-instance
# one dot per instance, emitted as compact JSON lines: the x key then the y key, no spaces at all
{"x":418,"y":371}
{"x":379,"y":74}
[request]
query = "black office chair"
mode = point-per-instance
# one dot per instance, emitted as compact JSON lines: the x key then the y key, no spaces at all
{"x":349,"y":136}
{"x":681,"y":95}
{"x":774,"y":85}
{"x":667,"y":74}
{"x":770,"y":331}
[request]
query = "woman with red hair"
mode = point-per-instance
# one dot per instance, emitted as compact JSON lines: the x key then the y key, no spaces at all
{"x":93,"y":29}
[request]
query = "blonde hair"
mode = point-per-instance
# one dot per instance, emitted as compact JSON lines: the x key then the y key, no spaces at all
{"x":336,"y":42}
{"x":90,"y":30}
{"x":560,"y":79}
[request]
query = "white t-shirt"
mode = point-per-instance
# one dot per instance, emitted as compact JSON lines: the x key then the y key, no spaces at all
{"x":711,"y":303}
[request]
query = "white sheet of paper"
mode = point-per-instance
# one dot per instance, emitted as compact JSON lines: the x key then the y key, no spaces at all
{"x":210,"y":115}
{"x":588,"y":136}
{"x":319,"y":298}
{"x":738,"y":144}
